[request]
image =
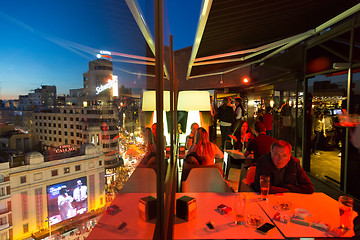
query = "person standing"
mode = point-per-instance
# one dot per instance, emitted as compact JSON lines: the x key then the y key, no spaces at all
{"x":268,"y":121}
{"x":318,"y":130}
{"x":212,"y":127}
{"x":226,"y":118}
{"x":80,"y":195}
{"x":239,"y":118}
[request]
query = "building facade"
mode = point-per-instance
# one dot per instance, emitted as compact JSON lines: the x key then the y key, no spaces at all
{"x":36,"y":189}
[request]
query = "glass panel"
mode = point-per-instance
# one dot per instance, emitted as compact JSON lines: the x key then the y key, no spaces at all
{"x":328,"y":99}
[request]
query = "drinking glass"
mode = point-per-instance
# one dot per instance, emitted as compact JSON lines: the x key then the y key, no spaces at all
{"x":264,"y":186}
{"x":345,"y":209}
{"x":239,"y":206}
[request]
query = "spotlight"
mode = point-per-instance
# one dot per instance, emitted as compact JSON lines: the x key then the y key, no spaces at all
{"x":245,"y":80}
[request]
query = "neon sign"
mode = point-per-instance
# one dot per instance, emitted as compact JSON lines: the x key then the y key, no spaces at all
{"x":104,"y":54}
{"x":64,"y":148}
{"x":112,"y":83}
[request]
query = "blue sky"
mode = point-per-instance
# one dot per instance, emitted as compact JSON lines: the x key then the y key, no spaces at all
{"x":51,"y":42}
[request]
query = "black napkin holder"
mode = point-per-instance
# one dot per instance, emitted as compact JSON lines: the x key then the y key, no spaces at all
{"x":147,"y":208}
{"x":186,"y":208}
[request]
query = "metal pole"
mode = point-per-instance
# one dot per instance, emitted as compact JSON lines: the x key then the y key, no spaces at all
{"x":159,"y":87}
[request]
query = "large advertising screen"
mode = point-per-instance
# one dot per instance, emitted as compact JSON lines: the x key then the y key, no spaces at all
{"x":67,"y":199}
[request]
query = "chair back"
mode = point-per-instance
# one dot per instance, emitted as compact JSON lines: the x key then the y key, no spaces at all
{"x":245,"y":184}
{"x":143,"y":180}
{"x":205,"y":180}
{"x":187,"y":167}
{"x":250,"y":176}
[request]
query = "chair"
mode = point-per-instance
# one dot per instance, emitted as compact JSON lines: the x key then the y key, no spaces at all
{"x":143,"y":180}
{"x":207,"y":179}
{"x":245,"y":182}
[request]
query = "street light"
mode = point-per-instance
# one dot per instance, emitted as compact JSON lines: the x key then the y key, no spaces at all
{"x":49,"y":226}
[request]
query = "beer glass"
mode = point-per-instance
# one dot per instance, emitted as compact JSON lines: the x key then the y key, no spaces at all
{"x":264,"y":186}
{"x":345,"y":210}
{"x":239,"y":207}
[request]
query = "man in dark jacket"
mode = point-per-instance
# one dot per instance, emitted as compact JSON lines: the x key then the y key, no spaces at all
{"x":286,"y":174}
{"x":260,"y":145}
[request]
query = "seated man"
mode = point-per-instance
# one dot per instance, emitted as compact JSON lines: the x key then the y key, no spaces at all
{"x":286,"y":174}
{"x":261,"y":144}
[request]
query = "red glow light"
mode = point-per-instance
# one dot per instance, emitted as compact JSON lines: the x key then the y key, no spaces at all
{"x":245,"y":80}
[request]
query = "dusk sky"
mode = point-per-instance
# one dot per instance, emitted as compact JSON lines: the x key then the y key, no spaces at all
{"x":51,"y":42}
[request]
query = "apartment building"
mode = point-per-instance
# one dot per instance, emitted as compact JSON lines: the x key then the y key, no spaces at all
{"x":74,"y":126}
{"x":6,"y":230}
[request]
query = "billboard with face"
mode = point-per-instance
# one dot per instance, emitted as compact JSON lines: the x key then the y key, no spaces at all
{"x":67,"y":199}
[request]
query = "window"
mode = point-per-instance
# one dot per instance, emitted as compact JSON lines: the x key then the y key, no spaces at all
{"x":71,"y":126}
{"x":54,"y":139}
{"x":23,"y":179}
{"x":72,"y":134}
{"x":26,"y":228}
{"x":54,"y":124}
{"x":77,"y":168}
{"x":45,"y":124}
{"x":54,"y":131}
{"x":59,"y":139}
{"x":67,"y":170}
{"x":71,"y":119}
{"x":53,"y":118}
{"x":54,"y":173}
{"x":65,"y":118}
{"x":49,"y":118}
{"x":58,"y":118}
{"x":40,"y":130}
{"x":59,"y":125}
{"x":49,"y":131}
{"x":64,"y":111}
{"x":77,"y":119}
{"x":71,"y":111}
{"x":100,"y":163}
{"x":65,"y":125}
{"x":45,"y":138}
{"x":50,"y":139}
{"x":66,"y":141}
{"x":45,"y":131}
{"x":59,"y":133}
{"x":72,"y":141}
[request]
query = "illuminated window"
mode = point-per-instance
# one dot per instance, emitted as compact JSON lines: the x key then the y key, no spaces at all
{"x":26,"y":228}
{"x":66,"y":170}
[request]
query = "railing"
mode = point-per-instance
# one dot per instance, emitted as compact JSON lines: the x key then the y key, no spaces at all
{"x":4,"y":226}
{"x":5,"y":210}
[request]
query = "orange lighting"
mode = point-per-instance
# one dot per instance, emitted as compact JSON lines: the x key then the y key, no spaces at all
{"x":245,"y":80}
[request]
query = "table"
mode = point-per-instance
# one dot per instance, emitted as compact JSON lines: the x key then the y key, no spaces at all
{"x":319,"y":205}
{"x":224,"y":227}
{"x":107,"y":227}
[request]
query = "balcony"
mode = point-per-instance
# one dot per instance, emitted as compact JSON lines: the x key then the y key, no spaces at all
{"x":4,"y":226}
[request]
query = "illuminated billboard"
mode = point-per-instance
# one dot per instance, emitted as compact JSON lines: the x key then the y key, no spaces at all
{"x":67,"y":199}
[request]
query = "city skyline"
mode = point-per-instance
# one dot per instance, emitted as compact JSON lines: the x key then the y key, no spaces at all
{"x":51,"y":43}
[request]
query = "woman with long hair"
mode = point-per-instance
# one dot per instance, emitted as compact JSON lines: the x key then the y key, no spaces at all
{"x":203,"y":150}
{"x":150,"y":147}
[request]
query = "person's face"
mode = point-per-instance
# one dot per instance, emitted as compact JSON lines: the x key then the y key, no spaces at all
{"x":79,"y":183}
{"x":280,"y":156}
{"x":194,"y":128}
{"x":244,"y":127}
